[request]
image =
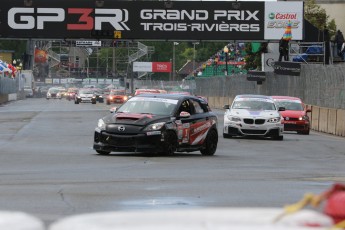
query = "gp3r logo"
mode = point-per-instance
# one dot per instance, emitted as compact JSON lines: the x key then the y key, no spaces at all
{"x":37,"y":18}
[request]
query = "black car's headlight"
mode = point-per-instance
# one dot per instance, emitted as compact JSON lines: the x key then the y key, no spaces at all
{"x":155,"y":126}
{"x":274,"y":120}
{"x":101,"y":124}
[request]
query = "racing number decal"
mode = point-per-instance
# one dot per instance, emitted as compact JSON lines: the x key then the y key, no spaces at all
{"x":185,"y":136}
{"x":183,"y":131}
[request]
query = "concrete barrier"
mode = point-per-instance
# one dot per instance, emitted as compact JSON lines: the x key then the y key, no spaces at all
{"x":323,"y":120}
{"x":332,"y":121}
{"x":315,"y":113}
{"x":19,"y":221}
{"x":12,"y":97}
{"x":340,"y":127}
{"x":196,"y":219}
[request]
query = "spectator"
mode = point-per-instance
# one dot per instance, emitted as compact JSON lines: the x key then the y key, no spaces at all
{"x":339,"y":40}
{"x":283,"y":49}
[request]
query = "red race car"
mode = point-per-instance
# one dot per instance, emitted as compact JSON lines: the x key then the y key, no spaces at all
{"x":295,"y":115}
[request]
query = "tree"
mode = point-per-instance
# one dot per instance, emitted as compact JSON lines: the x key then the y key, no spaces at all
{"x":318,"y":17}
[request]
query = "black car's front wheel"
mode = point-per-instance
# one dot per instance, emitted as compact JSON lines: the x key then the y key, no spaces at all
{"x":210,"y":144}
{"x":170,"y":143}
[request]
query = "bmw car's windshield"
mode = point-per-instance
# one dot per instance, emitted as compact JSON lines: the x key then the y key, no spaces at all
{"x":157,"y":106}
{"x":254,"y":105}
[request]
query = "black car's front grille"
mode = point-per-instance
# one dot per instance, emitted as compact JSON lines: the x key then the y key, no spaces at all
{"x":250,"y":121}
{"x":121,"y":141}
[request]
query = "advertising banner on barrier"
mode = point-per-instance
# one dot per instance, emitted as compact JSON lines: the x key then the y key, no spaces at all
{"x":154,"y":67}
{"x":156,"y":20}
{"x":287,"y":68}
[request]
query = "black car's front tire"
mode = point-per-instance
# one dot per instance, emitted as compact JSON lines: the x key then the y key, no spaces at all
{"x":210,"y":144}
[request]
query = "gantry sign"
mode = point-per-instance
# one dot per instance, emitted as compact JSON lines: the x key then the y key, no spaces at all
{"x":152,"y":20}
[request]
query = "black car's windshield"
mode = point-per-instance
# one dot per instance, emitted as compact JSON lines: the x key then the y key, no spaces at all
{"x":254,"y":105}
{"x":156,"y":106}
{"x":290,"y":105}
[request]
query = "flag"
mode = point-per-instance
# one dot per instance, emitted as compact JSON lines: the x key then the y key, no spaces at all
{"x":287,"y":34}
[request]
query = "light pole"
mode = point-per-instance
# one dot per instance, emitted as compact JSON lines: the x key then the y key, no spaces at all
{"x":174,"y":44}
{"x":226,"y":51}
{"x":194,"y":44}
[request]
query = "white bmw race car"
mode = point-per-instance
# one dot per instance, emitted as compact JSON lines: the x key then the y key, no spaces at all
{"x":253,"y":115}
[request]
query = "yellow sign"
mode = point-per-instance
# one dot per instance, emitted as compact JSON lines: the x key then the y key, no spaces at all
{"x":117,"y":34}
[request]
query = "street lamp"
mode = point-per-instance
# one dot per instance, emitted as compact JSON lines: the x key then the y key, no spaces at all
{"x":226,"y":51}
{"x":174,"y":44}
{"x":194,"y":44}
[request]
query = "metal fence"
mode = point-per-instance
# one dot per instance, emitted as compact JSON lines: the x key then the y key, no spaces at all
{"x":8,"y":85}
{"x":321,"y":85}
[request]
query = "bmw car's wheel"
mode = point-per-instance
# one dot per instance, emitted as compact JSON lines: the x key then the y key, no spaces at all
{"x":170,"y":143}
{"x":210,"y":145}
{"x":102,"y":152}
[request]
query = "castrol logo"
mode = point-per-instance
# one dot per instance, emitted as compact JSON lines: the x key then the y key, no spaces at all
{"x":283,"y":16}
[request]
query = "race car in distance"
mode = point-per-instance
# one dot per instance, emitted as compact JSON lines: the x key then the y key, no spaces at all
{"x":158,"y":123}
{"x":147,"y":91}
{"x":71,"y":92}
{"x":53,"y":93}
{"x":253,"y":115}
{"x":295,"y":115}
{"x":85,"y":95}
{"x":116,"y":96}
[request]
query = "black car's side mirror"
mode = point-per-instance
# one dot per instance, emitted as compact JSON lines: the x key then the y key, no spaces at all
{"x":226,"y":107}
{"x":184,"y":114}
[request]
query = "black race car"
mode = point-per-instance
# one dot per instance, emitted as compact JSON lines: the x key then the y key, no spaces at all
{"x":158,"y":123}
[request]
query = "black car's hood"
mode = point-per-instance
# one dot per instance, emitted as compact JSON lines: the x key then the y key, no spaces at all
{"x":139,"y":119}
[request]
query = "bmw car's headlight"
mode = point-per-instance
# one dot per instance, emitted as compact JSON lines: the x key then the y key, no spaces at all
{"x":155,"y":126}
{"x":234,"y":119}
{"x":101,"y":124}
{"x":274,"y":120}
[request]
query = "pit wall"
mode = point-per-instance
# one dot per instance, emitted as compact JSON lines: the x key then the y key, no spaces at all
{"x":325,"y":120}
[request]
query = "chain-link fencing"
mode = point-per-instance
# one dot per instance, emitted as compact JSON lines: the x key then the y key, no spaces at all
{"x":320,"y":85}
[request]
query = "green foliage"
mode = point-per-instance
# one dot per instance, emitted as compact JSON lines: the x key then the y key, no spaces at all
{"x":18,"y":46}
{"x":252,"y":59}
{"x":318,"y":17}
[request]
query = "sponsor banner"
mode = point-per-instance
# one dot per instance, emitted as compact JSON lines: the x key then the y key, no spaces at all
{"x":268,"y":60}
{"x":88,"y":43}
{"x":278,"y":14}
{"x":164,"y":67}
{"x":142,"y":66}
{"x":152,"y":67}
{"x":172,"y":20}
{"x":287,"y":68}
